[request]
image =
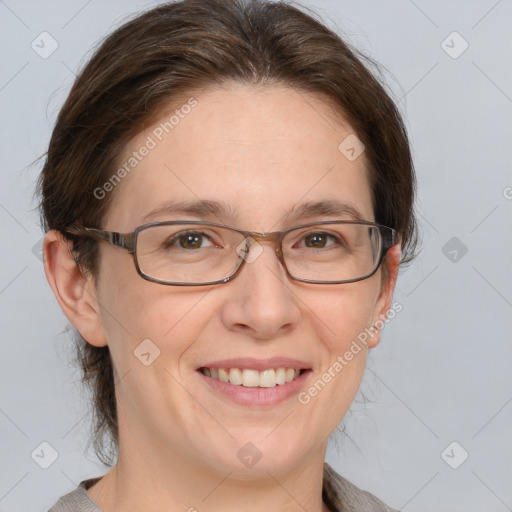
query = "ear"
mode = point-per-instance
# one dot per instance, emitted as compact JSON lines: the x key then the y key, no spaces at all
{"x":75,"y":293}
{"x":384,"y":301}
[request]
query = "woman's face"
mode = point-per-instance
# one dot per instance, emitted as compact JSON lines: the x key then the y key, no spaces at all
{"x":261,"y":154}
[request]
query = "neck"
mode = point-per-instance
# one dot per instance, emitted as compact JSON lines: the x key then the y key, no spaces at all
{"x":148,"y":478}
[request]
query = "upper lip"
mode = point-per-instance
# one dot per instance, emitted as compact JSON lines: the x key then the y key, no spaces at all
{"x":251,"y":363}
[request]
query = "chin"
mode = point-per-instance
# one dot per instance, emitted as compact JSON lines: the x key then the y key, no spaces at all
{"x":257,"y":455}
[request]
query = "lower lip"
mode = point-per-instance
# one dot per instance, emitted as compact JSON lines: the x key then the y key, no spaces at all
{"x":256,"y":396}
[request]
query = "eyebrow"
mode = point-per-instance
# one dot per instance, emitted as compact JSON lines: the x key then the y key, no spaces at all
{"x":199,"y":208}
{"x":329,"y":208}
{"x":208,"y":208}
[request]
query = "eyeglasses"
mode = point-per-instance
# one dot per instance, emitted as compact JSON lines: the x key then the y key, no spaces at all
{"x":197,"y":253}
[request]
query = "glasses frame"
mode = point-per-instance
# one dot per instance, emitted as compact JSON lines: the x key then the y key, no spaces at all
{"x":128,"y":241}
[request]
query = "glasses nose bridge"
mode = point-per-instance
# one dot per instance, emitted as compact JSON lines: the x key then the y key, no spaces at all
{"x":265,"y":237}
{"x":274,"y":237}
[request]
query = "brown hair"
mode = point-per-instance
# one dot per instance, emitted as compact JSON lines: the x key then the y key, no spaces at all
{"x":179,"y":48}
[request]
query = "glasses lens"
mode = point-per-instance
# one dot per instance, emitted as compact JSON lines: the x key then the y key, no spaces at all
{"x":197,"y":253}
{"x":188,"y":253}
{"x":332,"y":252}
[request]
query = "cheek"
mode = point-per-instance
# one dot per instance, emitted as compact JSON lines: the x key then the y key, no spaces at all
{"x":134,"y":310}
{"x":342,"y":318}
{"x":344,"y":314}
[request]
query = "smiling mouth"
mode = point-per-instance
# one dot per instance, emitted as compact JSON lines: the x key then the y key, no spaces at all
{"x":250,"y":378}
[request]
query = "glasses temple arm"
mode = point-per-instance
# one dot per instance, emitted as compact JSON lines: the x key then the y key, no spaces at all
{"x":123,"y":240}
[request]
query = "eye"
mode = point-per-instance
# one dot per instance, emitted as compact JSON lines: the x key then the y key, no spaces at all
{"x":189,"y":240}
{"x":321,"y":239}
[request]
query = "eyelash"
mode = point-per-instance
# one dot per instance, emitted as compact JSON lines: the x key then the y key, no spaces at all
{"x":170,"y":241}
{"x":338,"y":240}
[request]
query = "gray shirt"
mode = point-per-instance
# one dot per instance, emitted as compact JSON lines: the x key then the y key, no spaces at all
{"x":338,"y":494}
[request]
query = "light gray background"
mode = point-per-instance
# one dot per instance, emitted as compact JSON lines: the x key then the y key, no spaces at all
{"x":442,"y":372}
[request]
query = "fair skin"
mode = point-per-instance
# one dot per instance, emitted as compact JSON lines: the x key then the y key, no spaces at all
{"x":260,"y":151}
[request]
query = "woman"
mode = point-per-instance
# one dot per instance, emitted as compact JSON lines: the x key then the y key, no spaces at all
{"x":227,"y":195}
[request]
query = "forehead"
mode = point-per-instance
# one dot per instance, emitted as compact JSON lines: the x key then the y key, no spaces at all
{"x":261,"y":152}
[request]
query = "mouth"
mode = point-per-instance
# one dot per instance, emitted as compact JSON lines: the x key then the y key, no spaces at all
{"x":250,"y":378}
{"x":256,"y":382}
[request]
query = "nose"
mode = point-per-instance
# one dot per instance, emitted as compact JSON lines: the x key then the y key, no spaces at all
{"x":260,"y":302}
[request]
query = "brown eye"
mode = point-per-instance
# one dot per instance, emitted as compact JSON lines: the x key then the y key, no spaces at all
{"x":316,"y":240}
{"x":321,"y":240}
{"x":190,"y":241}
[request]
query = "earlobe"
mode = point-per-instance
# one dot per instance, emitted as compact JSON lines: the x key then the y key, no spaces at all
{"x":384,"y":301}
{"x":75,"y":292}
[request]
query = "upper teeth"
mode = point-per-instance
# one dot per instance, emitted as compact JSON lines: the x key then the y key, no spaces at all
{"x":253,"y":378}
